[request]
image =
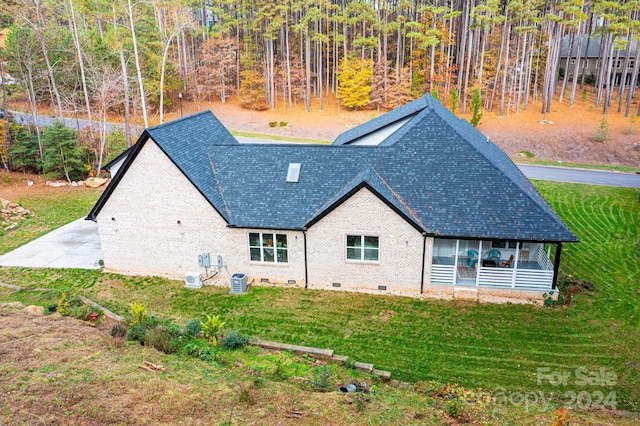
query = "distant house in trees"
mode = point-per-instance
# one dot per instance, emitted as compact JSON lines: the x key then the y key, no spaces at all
{"x":414,"y":202}
{"x":590,"y":61}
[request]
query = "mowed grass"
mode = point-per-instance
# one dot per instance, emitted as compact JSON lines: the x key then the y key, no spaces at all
{"x":52,"y":209}
{"x":477,"y":345}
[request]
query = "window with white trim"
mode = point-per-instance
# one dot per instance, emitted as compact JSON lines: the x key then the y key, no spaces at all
{"x":363,"y":248}
{"x":268,"y":247}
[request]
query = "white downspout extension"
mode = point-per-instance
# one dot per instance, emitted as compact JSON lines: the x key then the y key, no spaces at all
{"x":479,"y":263}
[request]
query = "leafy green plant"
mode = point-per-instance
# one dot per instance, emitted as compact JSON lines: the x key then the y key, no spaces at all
{"x":283,"y":124}
{"x":235,"y":340}
{"x":321,"y":381}
{"x":526,"y":154}
{"x":548,"y":299}
{"x":211,"y":328}
{"x":350,"y":363}
{"x":200,"y":349}
{"x":138,"y":313}
{"x":273,"y":123}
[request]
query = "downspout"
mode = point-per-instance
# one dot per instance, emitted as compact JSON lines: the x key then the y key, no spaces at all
{"x":556,"y":265}
{"x":424,"y":252}
{"x":306,"y":273}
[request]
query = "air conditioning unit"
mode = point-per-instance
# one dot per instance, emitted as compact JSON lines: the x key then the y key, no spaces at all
{"x":192,"y":280}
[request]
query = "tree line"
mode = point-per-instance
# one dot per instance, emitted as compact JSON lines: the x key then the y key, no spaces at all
{"x":95,"y":57}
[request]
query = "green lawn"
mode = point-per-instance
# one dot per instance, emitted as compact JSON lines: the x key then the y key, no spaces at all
{"x":476,"y":345}
{"x":52,"y":210}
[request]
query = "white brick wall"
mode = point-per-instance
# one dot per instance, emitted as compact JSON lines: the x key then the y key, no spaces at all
{"x":140,"y":233}
{"x":401,"y":245}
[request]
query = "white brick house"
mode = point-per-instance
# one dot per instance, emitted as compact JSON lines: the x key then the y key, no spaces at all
{"x":398,"y":205}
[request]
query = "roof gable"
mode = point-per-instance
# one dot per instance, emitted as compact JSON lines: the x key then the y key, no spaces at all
{"x":189,"y":143}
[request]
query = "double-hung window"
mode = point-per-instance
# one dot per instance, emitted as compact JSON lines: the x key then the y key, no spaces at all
{"x":268,"y":248}
{"x":363,"y":248}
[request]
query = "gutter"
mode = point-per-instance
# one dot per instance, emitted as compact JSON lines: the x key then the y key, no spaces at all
{"x":306,"y":272}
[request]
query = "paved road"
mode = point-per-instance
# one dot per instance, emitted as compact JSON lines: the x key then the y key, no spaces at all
{"x":74,"y":123}
{"x":594,"y":177}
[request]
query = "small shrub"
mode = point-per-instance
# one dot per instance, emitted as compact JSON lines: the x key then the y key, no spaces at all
{"x":235,"y":340}
{"x":273,"y":123}
{"x":211,"y":328}
{"x":86,"y":313}
{"x":548,"y":299}
{"x":157,"y":337}
{"x":360,"y":401}
{"x":526,"y":154}
{"x":322,"y":378}
{"x":136,"y":332}
{"x":118,"y":331}
{"x":455,"y":408}
{"x":193,"y":328}
{"x":350,"y":363}
{"x":63,"y":304}
{"x":602,"y":133}
{"x":138,"y":313}
{"x":283,"y":124}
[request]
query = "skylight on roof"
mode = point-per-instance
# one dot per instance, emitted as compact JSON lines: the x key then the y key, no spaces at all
{"x":293,"y":175}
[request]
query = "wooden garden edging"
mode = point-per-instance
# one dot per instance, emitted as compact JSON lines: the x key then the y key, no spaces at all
{"x":326,"y":354}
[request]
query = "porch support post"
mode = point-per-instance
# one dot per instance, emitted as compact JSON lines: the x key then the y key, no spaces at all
{"x":479,"y":263}
{"x":455,"y":263}
{"x":515,"y":264}
{"x":424,"y":252}
{"x":556,"y":265}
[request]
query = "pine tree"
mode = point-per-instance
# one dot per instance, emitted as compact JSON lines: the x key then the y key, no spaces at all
{"x":476,"y":105}
{"x":63,"y":155}
{"x":453,"y":101}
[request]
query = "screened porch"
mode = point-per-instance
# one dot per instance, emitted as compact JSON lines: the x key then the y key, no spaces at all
{"x":497,"y":263}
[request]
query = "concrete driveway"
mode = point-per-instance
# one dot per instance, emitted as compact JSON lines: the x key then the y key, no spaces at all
{"x":76,"y":245}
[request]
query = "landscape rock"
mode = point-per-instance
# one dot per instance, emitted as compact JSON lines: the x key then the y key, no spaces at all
{"x":95,"y":182}
{"x":12,"y":214}
{"x":34,"y":310}
{"x":54,"y":316}
{"x":56,"y":183}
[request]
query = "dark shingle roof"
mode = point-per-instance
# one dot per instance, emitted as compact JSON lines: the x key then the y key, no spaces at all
{"x":437,"y":171}
{"x":189,"y":142}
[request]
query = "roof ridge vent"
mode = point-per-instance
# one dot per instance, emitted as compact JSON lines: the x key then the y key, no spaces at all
{"x":293,"y":174}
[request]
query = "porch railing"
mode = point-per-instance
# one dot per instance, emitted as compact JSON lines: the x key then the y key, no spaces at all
{"x":539,"y":279}
{"x":543,"y":260}
{"x":443,"y":274}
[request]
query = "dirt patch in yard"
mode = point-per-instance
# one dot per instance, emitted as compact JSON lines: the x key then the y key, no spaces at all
{"x":566,"y":134}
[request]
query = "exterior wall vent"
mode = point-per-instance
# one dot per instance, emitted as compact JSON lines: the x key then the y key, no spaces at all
{"x":192,"y":280}
{"x":291,"y":281}
{"x":293,"y":174}
{"x":337,"y":284}
{"x":382,"y":287}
